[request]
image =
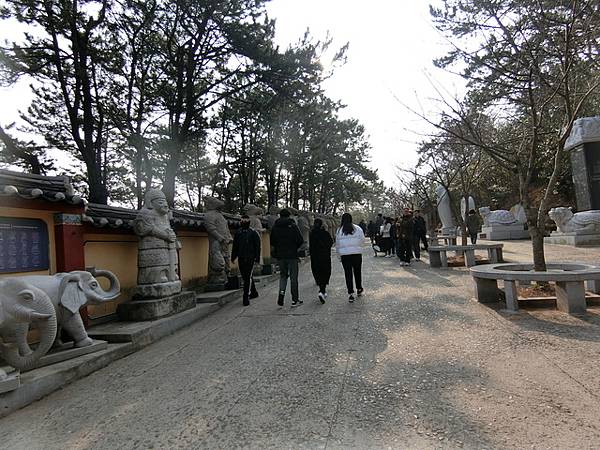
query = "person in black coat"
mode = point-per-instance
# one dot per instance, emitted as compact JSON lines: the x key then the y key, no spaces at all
{"x":286,"y":240}
{"x":246,"y":249}
{"x":320,"y":257}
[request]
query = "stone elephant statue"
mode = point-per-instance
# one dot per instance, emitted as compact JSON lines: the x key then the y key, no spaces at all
{"x":69,"y":291}
{"x":21,"y":305}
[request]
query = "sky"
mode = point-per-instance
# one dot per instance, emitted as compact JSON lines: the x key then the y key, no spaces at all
{"x":391,"y":47}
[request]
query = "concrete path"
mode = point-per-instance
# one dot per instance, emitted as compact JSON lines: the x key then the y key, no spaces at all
{"x":415,"y":363}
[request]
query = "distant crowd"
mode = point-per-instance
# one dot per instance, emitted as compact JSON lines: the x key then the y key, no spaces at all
{"x":399,"y":236}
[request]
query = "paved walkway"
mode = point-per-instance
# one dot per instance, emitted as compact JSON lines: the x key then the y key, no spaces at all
{"x":415,"y":363}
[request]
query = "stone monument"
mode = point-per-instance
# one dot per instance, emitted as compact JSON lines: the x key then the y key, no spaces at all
{"x":158,"y":292}
{"x":464,"y":208}
{"x":219,"y":242}
{"x":445,"y":211}
{"x":584,"y":144}
{"x":579,"y":229}
{"x":501,"y":225}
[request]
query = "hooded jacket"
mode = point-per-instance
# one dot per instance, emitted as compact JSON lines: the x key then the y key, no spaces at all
{"x":286,"y":239}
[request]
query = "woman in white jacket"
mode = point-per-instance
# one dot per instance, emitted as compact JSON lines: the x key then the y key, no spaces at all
{"x":349,"y":242}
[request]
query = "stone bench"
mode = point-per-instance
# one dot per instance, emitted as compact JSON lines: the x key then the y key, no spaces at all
{"x":570,"y":282}
{"x":448,"y":239}
{"x":438,"y":255}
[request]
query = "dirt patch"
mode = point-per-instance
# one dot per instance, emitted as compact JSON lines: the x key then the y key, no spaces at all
{"x":459,"y":261}
{"x":542,"y":290}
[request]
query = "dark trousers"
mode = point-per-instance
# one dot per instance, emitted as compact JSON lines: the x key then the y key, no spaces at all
{"x":352,"y":265}
{"x":422,"y":238}
{"x":394,"y":245}
{"x":404,"y":247}
{"x":474,"y":238}
{"x":246,"y":266}
{"x":288,"y":268}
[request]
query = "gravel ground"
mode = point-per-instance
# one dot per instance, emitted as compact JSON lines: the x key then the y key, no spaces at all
{"x":415,"y":363}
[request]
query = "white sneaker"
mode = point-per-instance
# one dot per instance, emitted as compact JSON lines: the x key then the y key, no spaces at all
{"x":351,"y":298}
{"x":417,"y":259}
{"x":321,"y":297}
{"x":325,"y":294}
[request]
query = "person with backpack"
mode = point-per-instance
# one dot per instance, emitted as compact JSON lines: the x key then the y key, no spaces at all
{"x":246,"y":249}
{"x":348,"y":244}
{"x":320,"y":257}
{"x":286,"y":240}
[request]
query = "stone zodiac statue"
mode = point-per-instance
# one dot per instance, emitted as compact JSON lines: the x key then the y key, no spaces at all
{"x":498,"y":217}
{"x":219,"y":240}
{"x":157,"y":249}
{"x":255,"y":213}
{"x":272,"y":216}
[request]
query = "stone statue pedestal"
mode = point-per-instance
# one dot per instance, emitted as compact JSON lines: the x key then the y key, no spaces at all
{"x":152,"y":309}
{"x":504,"y":232}
{"x":10,"y":379}
{"x":157,"y":290}
{"x":580,"y":238}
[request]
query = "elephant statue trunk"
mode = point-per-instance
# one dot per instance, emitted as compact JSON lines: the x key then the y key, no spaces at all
{"x":114,"y":289}
{"x":23,"y":304}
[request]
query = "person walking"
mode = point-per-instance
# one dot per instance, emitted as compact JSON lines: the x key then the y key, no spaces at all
{"x":372,"y":231}
{"x":246,"y":249}
{"x":393,"y":239}
{"x":348,"y":244}
{"x":405,"y":234}
{"x":420,"y":233}
{"x":386,"y":237}
{"x":379,"y":223}
{"x":286,"y":240}
{"x":320,"y":257}
{"x":473,"y":223}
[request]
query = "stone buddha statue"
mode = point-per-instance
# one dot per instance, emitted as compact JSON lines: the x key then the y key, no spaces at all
{"x":255,"y":213}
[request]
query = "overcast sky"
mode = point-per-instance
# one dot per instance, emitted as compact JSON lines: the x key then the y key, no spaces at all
{"x":392,"y":44}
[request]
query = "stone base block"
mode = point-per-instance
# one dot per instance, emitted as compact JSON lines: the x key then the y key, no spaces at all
{"x":10,"y":379}
{"x":158,"y":290}
{"x":68,"y":351}
{"x":152,"y":309}
{"x":573,"y":239}
{"x":504,"y":232}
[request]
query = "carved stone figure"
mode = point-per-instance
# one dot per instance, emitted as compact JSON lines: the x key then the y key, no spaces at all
{"x":157,"y":249}
{"x":219,"y":240}
{"x":583,"y":222}
{"x":445,"y":210}
{"x":255,"y":213}
{"x":519,"y":212}
{"x":21,"y":305}
{"x":272,"y":216}
{"x":304,"y":227}
{"x":70,"y":291}
{"x":494,"y":218}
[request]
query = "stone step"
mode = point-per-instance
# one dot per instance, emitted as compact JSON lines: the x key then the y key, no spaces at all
{"x":68,"y":351}
{"x":144,"y":333}
{"x":38,"y":383}
{"x":219,"y":297}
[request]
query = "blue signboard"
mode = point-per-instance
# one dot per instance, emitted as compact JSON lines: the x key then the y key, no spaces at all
{"x":23,"y":245}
